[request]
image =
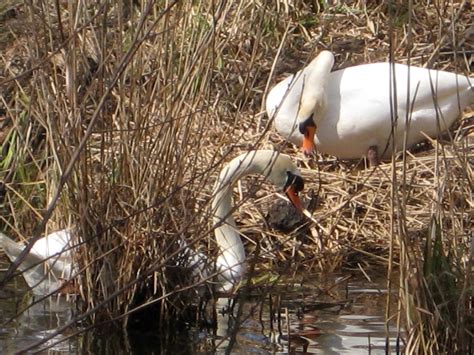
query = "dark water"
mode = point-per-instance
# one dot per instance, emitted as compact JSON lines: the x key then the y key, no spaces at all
{"x":338,"y":315}
{"x":37,"y":322}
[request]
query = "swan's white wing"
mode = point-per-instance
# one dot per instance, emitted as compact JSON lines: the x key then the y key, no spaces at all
{"x":43,"y":277}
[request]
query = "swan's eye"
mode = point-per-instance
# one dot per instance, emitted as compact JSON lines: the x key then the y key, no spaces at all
{"x":303,"y":126}
{"x":294,"y":180}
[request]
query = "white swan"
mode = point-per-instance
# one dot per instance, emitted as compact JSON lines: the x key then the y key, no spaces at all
{"x":347,"y":113}
{"x":48,"y":264}
{"x":47,"y":276}
{"x":277,"y":168}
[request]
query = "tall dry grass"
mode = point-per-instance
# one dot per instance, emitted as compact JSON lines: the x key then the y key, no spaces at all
{"x":116,"y":119}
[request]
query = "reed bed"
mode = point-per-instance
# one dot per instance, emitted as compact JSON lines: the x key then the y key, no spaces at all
{"x":116,"y":119}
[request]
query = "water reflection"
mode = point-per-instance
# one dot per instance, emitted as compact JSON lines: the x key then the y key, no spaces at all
{"x":24,"y":322}
{"x":348,"y":319}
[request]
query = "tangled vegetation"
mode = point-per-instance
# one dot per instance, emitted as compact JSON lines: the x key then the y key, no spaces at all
{"x":116,"y":117}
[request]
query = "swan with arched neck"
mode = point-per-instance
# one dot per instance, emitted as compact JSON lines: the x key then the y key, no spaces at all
{"x":348,"y":113}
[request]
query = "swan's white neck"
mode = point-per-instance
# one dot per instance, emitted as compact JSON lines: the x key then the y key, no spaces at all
{"x":314,"y":98}
{"x":231,"y":260}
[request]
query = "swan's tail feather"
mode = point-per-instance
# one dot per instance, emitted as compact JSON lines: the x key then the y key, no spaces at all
{"x":40,"y":278}
{"x":12,"y":249}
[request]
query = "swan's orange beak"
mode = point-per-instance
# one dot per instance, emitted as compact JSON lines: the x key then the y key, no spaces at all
{"x":308,"y":130}
{"x":308,"y":140}
{"x":294,"y":198}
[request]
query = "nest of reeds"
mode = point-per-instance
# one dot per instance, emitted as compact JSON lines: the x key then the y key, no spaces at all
{"x":119,"y":117}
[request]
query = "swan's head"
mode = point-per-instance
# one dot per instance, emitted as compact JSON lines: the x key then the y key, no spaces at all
{"x":312,"y":108}
{"x":294,"y":185}
{"x":276,"y":167}
{"x":285,"y":175}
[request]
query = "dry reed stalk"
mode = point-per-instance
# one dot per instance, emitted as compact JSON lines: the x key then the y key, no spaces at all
{"x":161,"y":94}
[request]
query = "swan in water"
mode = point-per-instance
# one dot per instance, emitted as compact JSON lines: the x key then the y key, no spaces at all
{"x":231,"y":261}
{"x":347,"y":113}
{"x":45,"y":277}
{"x":48,"y":264}
{"x":276,"y":167}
